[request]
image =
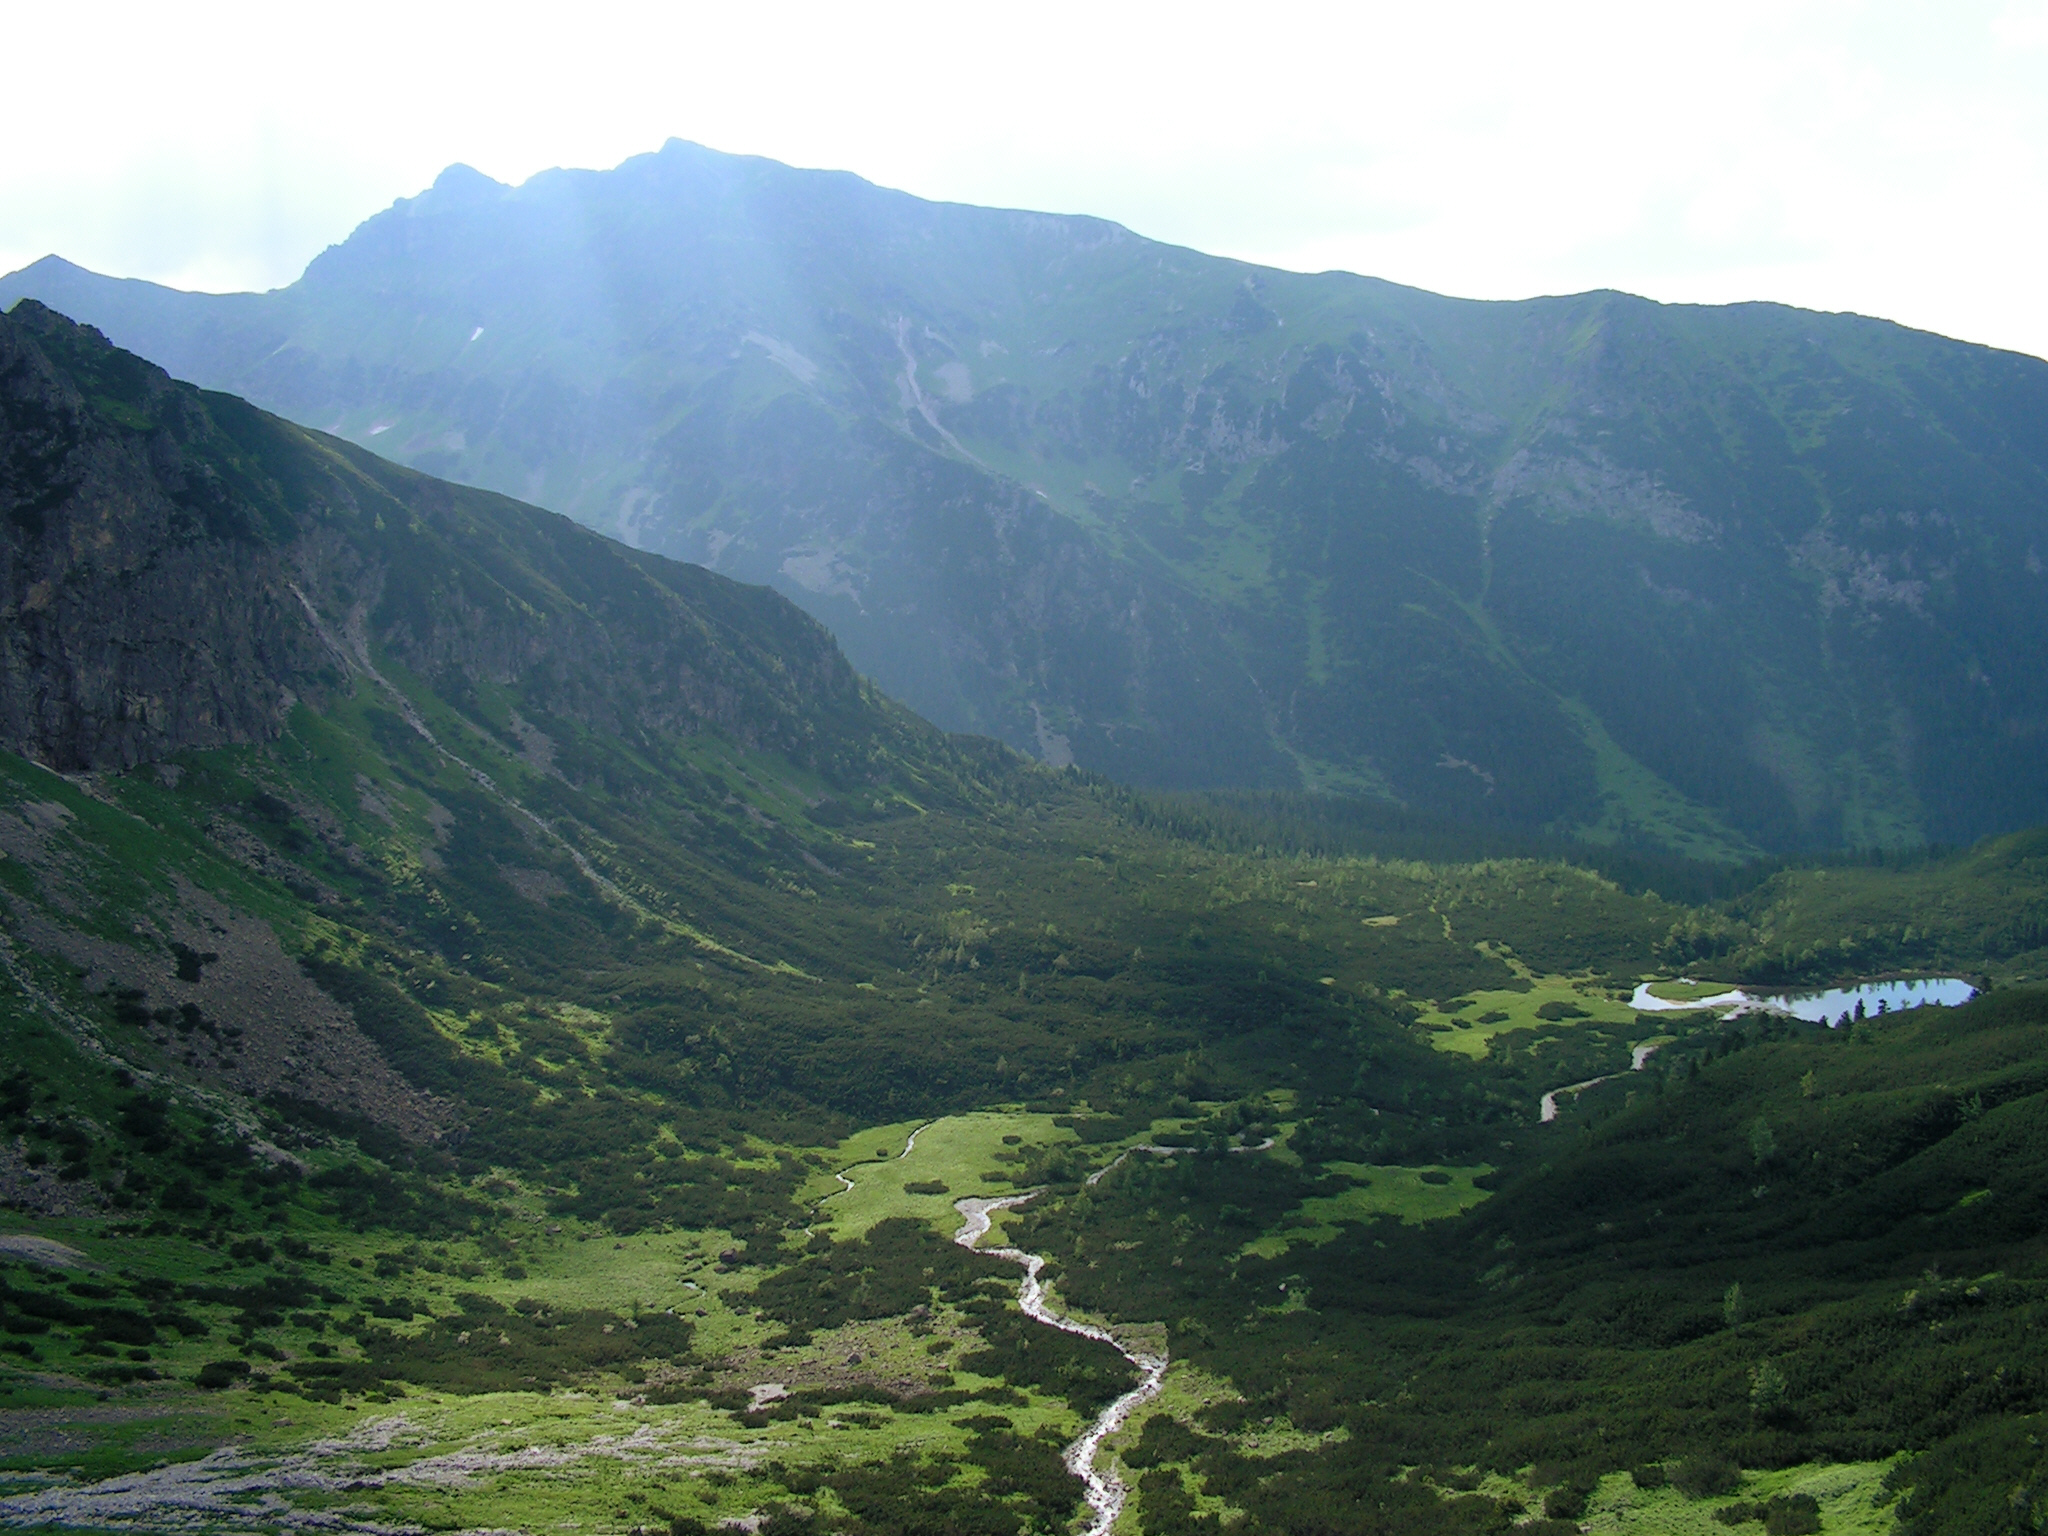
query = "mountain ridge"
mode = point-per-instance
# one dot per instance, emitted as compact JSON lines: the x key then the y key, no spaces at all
{"x":1201,"y":524}
{"x":207,"y":490}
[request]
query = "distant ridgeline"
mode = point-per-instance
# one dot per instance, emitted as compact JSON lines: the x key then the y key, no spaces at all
{"x":1724,"y":581}
{"x":447,"y":955}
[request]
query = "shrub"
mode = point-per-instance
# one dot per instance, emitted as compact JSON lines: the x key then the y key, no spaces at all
{"x":1706,"y":1477}
{"x":217,"y":1375}
{"x":1566,"y":1503}
{"x":1768,"y":1391}
{"x":1796,"y":1514}
{"x":1652,"y":1475}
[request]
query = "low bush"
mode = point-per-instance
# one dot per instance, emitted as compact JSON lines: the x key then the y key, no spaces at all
{"x":1706,"y":1477}
{"x":217,"y":1375}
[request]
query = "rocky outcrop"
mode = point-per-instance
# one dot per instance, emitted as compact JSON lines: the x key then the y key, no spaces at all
{"x":142,"y":607}
{"x":177,"y":569}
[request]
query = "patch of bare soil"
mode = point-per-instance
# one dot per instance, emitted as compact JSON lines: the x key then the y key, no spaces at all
{"x":31,"y":834}
{"x":250,"y":851}
{"x":44,"y":1252}
{"x":536,"y":885}
{"x":261,"y":1025}
{"x":43,"y":1190}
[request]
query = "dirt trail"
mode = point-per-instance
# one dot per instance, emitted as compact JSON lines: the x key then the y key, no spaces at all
{"x":1638,"y":1059}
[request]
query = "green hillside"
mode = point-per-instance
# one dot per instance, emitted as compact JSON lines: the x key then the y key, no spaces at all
{"x":498,"y":1023}
{"x":1716,"y":581}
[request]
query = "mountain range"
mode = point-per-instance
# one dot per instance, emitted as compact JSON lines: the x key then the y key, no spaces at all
{"x":1722,"y":581}
{"x":451,"y":958}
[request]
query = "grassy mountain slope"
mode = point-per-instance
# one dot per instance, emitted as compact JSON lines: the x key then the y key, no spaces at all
{"x":471,"y":1012}
{"x":1713,"y":579}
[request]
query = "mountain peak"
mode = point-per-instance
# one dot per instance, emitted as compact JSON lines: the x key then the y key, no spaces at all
{"x":1237,"y":527}
{"x":464,"y":181}
{"x":49,"y":266}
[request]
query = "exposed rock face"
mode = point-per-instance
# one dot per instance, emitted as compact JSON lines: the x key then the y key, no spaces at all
{"x":177,"y":569}
{"x":143,"y":607}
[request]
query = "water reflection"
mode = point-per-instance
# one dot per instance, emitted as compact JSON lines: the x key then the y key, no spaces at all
{"x":1840,"y":1004}
{"x":1835,"y":1006}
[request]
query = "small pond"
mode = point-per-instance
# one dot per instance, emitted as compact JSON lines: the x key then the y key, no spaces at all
{"x":1828,"y":1007}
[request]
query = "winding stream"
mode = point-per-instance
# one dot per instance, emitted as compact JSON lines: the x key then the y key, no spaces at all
{"x":846,"y":1184}
{"x":1104,"y":1490}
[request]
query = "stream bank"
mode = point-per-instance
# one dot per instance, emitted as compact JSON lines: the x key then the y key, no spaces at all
{"x":1103,"y":1488}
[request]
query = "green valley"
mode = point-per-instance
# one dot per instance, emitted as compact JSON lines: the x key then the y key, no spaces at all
{"x":500,"y":1025}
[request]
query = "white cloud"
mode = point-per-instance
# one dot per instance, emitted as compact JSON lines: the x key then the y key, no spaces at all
{"x":1886,"y":157}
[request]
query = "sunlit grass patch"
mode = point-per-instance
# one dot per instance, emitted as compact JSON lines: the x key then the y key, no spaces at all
{"x":1850,"y":1494}
{"x":875,"y":1144}
{"x":1408,"y":1194}
{"x":948,"y":1162}
{"x":1467,"y":1024}
{"x":1685,"y":990}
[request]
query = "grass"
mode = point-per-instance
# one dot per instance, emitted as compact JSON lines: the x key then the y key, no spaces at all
{"x":956,"y":1152}
{"x":1851,"y":1497}
{"x":1687,"y":991}
{"x":647,"y":1271}
{"x":1402,"y":1193}
{"x":1468,"y":1030}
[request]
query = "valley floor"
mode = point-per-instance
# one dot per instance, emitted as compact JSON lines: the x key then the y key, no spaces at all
{"x":637,"y":1456}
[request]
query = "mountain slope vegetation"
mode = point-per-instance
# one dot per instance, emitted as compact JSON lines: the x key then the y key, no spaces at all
{"x":452,"y":964}
{"x":1712,"y":580}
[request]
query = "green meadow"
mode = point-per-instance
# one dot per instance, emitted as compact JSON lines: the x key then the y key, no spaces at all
{"x":1467,"y":1024}
{"x":955,"y":1156}
{"x":1405,"y":1194}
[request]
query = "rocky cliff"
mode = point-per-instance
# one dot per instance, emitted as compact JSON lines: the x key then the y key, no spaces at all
{"x":178,"y":568}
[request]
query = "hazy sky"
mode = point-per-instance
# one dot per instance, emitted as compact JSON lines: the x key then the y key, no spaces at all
{"x":1882,"y":157}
